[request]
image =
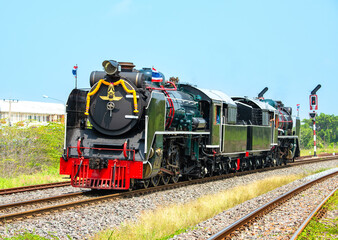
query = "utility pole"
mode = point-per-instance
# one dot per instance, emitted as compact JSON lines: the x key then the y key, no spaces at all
{"x":10,"y":101}
{"x":313,"y":114}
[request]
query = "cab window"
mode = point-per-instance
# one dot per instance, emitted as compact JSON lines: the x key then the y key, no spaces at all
{"x":218,"y":115}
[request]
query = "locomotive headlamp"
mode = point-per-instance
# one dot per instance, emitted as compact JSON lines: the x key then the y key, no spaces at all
{"x":110,"y":66}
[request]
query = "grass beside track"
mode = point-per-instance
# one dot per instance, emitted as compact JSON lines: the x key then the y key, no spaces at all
{"x":28,"y":236}
{"x":165,"y":222}
{"x":306,"y":152}
{"x":47,"y":176}
{"x":323,"y":228}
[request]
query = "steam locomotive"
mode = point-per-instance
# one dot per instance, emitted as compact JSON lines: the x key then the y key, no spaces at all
{"x":133,"y":129}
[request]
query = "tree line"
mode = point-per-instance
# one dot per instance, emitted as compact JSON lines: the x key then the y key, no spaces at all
{"x":326,"y":131}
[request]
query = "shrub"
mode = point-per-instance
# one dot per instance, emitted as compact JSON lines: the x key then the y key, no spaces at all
{"x":31,"y":149}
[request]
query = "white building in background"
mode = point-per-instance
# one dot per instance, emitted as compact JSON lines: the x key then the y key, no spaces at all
{"x":24,"y":110}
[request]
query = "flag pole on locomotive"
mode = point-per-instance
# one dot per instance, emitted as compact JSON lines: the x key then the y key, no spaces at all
{"x":74,"y":71}
{"x":313,"y":114}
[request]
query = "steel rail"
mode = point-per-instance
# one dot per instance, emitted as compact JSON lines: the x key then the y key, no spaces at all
{"x":34,"y":201}
{"x":33,"y":187}
{"x":245,"y":221}
{"x":312,"y":214}
{"x":318,"y":155}
{"x":314,"y":159}
{"x":39,"y":211}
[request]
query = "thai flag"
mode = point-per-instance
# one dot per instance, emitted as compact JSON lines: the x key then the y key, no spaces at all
{"x":74,"y":71}
{"x":156,"y":76}
{"x":298,"y":105}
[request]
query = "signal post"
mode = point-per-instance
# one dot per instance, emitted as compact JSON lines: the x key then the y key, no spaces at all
{"x":313,"y":114}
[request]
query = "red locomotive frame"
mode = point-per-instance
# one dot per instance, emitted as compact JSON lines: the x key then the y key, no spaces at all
{"x":116,"y":176}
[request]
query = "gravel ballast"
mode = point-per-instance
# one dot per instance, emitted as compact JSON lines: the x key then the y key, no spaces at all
{"x":284,"y":220}
{"x":82,"y":222}
{"x":279,"y":223}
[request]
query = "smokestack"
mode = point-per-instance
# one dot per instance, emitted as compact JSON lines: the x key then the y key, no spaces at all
{"x":260,"y":95}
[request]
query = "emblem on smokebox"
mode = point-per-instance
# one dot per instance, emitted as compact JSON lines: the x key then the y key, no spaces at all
{"x":111,"y":95}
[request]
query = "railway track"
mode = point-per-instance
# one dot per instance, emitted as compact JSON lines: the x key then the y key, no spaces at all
{"x":233,"y":229}
{"x":67,"y":183}
{"x":8,"y":217}
{"x":311,"y":156}
{"x":313,"y":160}
{"x":318,"y":211}
{"x":40,"y":200}
{"x":33,"y":187}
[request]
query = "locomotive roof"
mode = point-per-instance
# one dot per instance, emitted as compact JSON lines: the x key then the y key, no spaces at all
{"x":265,"y":105}
{"x":257,"y":103}
{"x":218,"y":96}
{"x":213,"y":95}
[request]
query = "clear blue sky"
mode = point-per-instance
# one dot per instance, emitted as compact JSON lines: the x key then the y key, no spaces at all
{"x":235,"y":46}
